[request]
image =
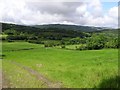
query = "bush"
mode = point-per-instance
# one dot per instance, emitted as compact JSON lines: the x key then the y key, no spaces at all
{"x":113,"y":43}
{"x":2,"y":38}
{"x":81,"y":47}
{"x":96,"y":42}
{"x":35,"y":41}
{"x":10,"y":40}
{"x":48,"y":45}
{"x":75,"y":40}
{"x":32,"y":38}
{"x":16,"y":37}
{"x":62,"y":46}
{"x":51,"y":43}
{"x":11,"y":32}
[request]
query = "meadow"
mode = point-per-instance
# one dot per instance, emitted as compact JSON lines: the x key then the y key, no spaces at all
{"x":27,"y":65}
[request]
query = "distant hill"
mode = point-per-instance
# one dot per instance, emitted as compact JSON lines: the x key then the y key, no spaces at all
{"x":56,"y":31}
{"x":70,"y":27}
{"x":21,"y":28}
{"x":44,"y":32}
{"x":53,"y":27}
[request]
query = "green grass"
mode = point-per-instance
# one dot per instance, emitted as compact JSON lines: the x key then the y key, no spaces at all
{"x":76,"y":69}
{"x":18,"y":45}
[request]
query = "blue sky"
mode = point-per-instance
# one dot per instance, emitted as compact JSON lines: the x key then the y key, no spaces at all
{"x":107,"y":5}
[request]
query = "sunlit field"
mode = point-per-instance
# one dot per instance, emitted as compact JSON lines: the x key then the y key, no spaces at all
{"x":27,"y":65}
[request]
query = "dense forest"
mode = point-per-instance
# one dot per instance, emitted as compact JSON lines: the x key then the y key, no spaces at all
{"x":61,"y":35}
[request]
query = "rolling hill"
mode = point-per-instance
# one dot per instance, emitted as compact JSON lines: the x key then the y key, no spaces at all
{"x":55,"y":27}
{"x":70,"y":27}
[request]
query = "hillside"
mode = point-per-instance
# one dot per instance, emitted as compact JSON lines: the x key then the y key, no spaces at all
{"x":55,"y":27}
{"x":44,"y":32}
{"x":70,"y":27}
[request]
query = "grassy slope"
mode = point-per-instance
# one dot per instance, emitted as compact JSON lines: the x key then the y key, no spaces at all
{"x":72,"y":68}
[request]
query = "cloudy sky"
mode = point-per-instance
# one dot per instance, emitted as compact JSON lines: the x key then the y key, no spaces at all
{"x":75,"y":12}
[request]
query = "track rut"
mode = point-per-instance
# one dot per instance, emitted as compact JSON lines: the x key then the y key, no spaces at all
{"x":39,"y":76}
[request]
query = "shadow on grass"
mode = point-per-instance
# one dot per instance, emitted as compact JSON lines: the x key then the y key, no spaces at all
{"x":111,"y":83}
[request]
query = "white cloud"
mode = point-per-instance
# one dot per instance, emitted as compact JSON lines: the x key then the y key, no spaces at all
{"x":81,"y":10}
{"x":96,"y":8}
{"x":31,"y":12}
{"x":113,"y":12}
{"x":67,"y":22}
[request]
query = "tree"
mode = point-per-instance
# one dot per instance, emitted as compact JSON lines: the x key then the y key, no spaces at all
{"x":11,"y":32}
{"x":75,"y":40}
{"x":96,"y":41}
{"x":16,"y":37}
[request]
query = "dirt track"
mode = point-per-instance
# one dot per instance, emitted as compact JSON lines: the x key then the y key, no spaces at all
{"x":39,"y":76}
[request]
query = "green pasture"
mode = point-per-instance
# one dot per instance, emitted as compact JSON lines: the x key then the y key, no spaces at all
{"x":71,"y":68}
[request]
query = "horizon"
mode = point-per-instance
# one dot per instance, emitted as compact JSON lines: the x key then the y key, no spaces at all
{"x":60,"y":24}
{"x":95,"y":13}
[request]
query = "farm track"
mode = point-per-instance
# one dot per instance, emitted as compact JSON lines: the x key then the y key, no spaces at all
{"x":5,"y":82}
{"x":39,"y":76}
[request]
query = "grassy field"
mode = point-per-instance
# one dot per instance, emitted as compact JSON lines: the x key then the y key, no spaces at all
{"x":27,"y":65}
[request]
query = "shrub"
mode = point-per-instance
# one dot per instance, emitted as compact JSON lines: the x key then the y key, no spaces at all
{"x":96,"y":42}
{"x":112,"y":43}
{"x":32,"y":38}
{"x":62,"y":46}
{"x":10,"y":40}
{"x":16,"y":37}
{"x":81,"y":47}
{"x":2,"y":38}
{"x":35,"y":41}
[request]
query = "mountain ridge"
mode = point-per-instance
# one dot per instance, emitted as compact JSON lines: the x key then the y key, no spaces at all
{"x":71,"y":27}
{"x":63,"y":27}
